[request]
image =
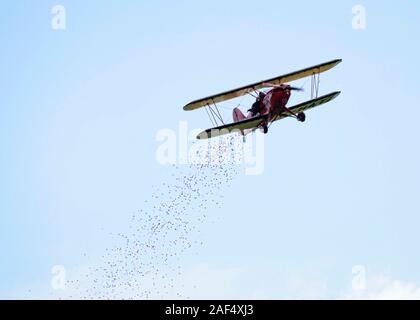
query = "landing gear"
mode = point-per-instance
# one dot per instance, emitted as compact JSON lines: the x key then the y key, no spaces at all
{"x":265,"y":128}
{"x":301,"y":117}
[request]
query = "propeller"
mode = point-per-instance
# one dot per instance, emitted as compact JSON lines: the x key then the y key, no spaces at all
{"x":295,"y":88}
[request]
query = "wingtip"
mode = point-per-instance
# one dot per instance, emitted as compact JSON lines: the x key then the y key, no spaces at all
{"x":335,"y":94}
{"x":189,"y":106}
{"x":202,"y":135}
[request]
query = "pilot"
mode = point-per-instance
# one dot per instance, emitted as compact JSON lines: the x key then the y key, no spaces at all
{"x":256,"y":106}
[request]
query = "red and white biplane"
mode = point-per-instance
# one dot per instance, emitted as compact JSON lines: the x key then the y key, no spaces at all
{"x":270,"y":105}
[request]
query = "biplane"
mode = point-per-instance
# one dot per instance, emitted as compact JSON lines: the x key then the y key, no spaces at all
{"x":271,"y":98}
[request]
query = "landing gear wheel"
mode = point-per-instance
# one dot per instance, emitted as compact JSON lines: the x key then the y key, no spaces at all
{"x":301,"y":117}
{"x":265,"y":128}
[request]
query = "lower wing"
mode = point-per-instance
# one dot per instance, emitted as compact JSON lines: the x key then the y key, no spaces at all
{"x":309,"y":104}
{"x":255,"y":122}
{"x":239,"y":127}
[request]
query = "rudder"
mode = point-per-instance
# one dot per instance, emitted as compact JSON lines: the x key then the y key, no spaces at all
{"x":238,"y":115}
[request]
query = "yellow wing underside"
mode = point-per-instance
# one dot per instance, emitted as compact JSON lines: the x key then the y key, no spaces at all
{"x":224,"y":96}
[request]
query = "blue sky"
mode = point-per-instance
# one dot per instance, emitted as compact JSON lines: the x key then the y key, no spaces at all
{"x":80,"y":109}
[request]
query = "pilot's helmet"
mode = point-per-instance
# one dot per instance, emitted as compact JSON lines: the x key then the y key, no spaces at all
{"x":261,"y":95}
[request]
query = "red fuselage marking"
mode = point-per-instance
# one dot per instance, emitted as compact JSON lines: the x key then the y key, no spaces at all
{"x":275,"y":102}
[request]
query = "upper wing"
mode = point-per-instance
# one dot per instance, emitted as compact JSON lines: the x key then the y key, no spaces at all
{"x":309,"y":104}
{"x":259,"y":85}
{"x":232,"y":127}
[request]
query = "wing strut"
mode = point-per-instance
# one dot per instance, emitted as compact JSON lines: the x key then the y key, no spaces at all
{"x":211,"y":116}
{"x":218,"y":112}
{"x":315,"y":79}
{"x":214,"y":114}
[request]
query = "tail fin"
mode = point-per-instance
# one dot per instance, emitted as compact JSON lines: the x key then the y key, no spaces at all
{"x":238,"y":115}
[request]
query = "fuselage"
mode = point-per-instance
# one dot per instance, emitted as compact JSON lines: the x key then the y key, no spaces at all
{"x":275,"y":100}
{"x":273,"y":104}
